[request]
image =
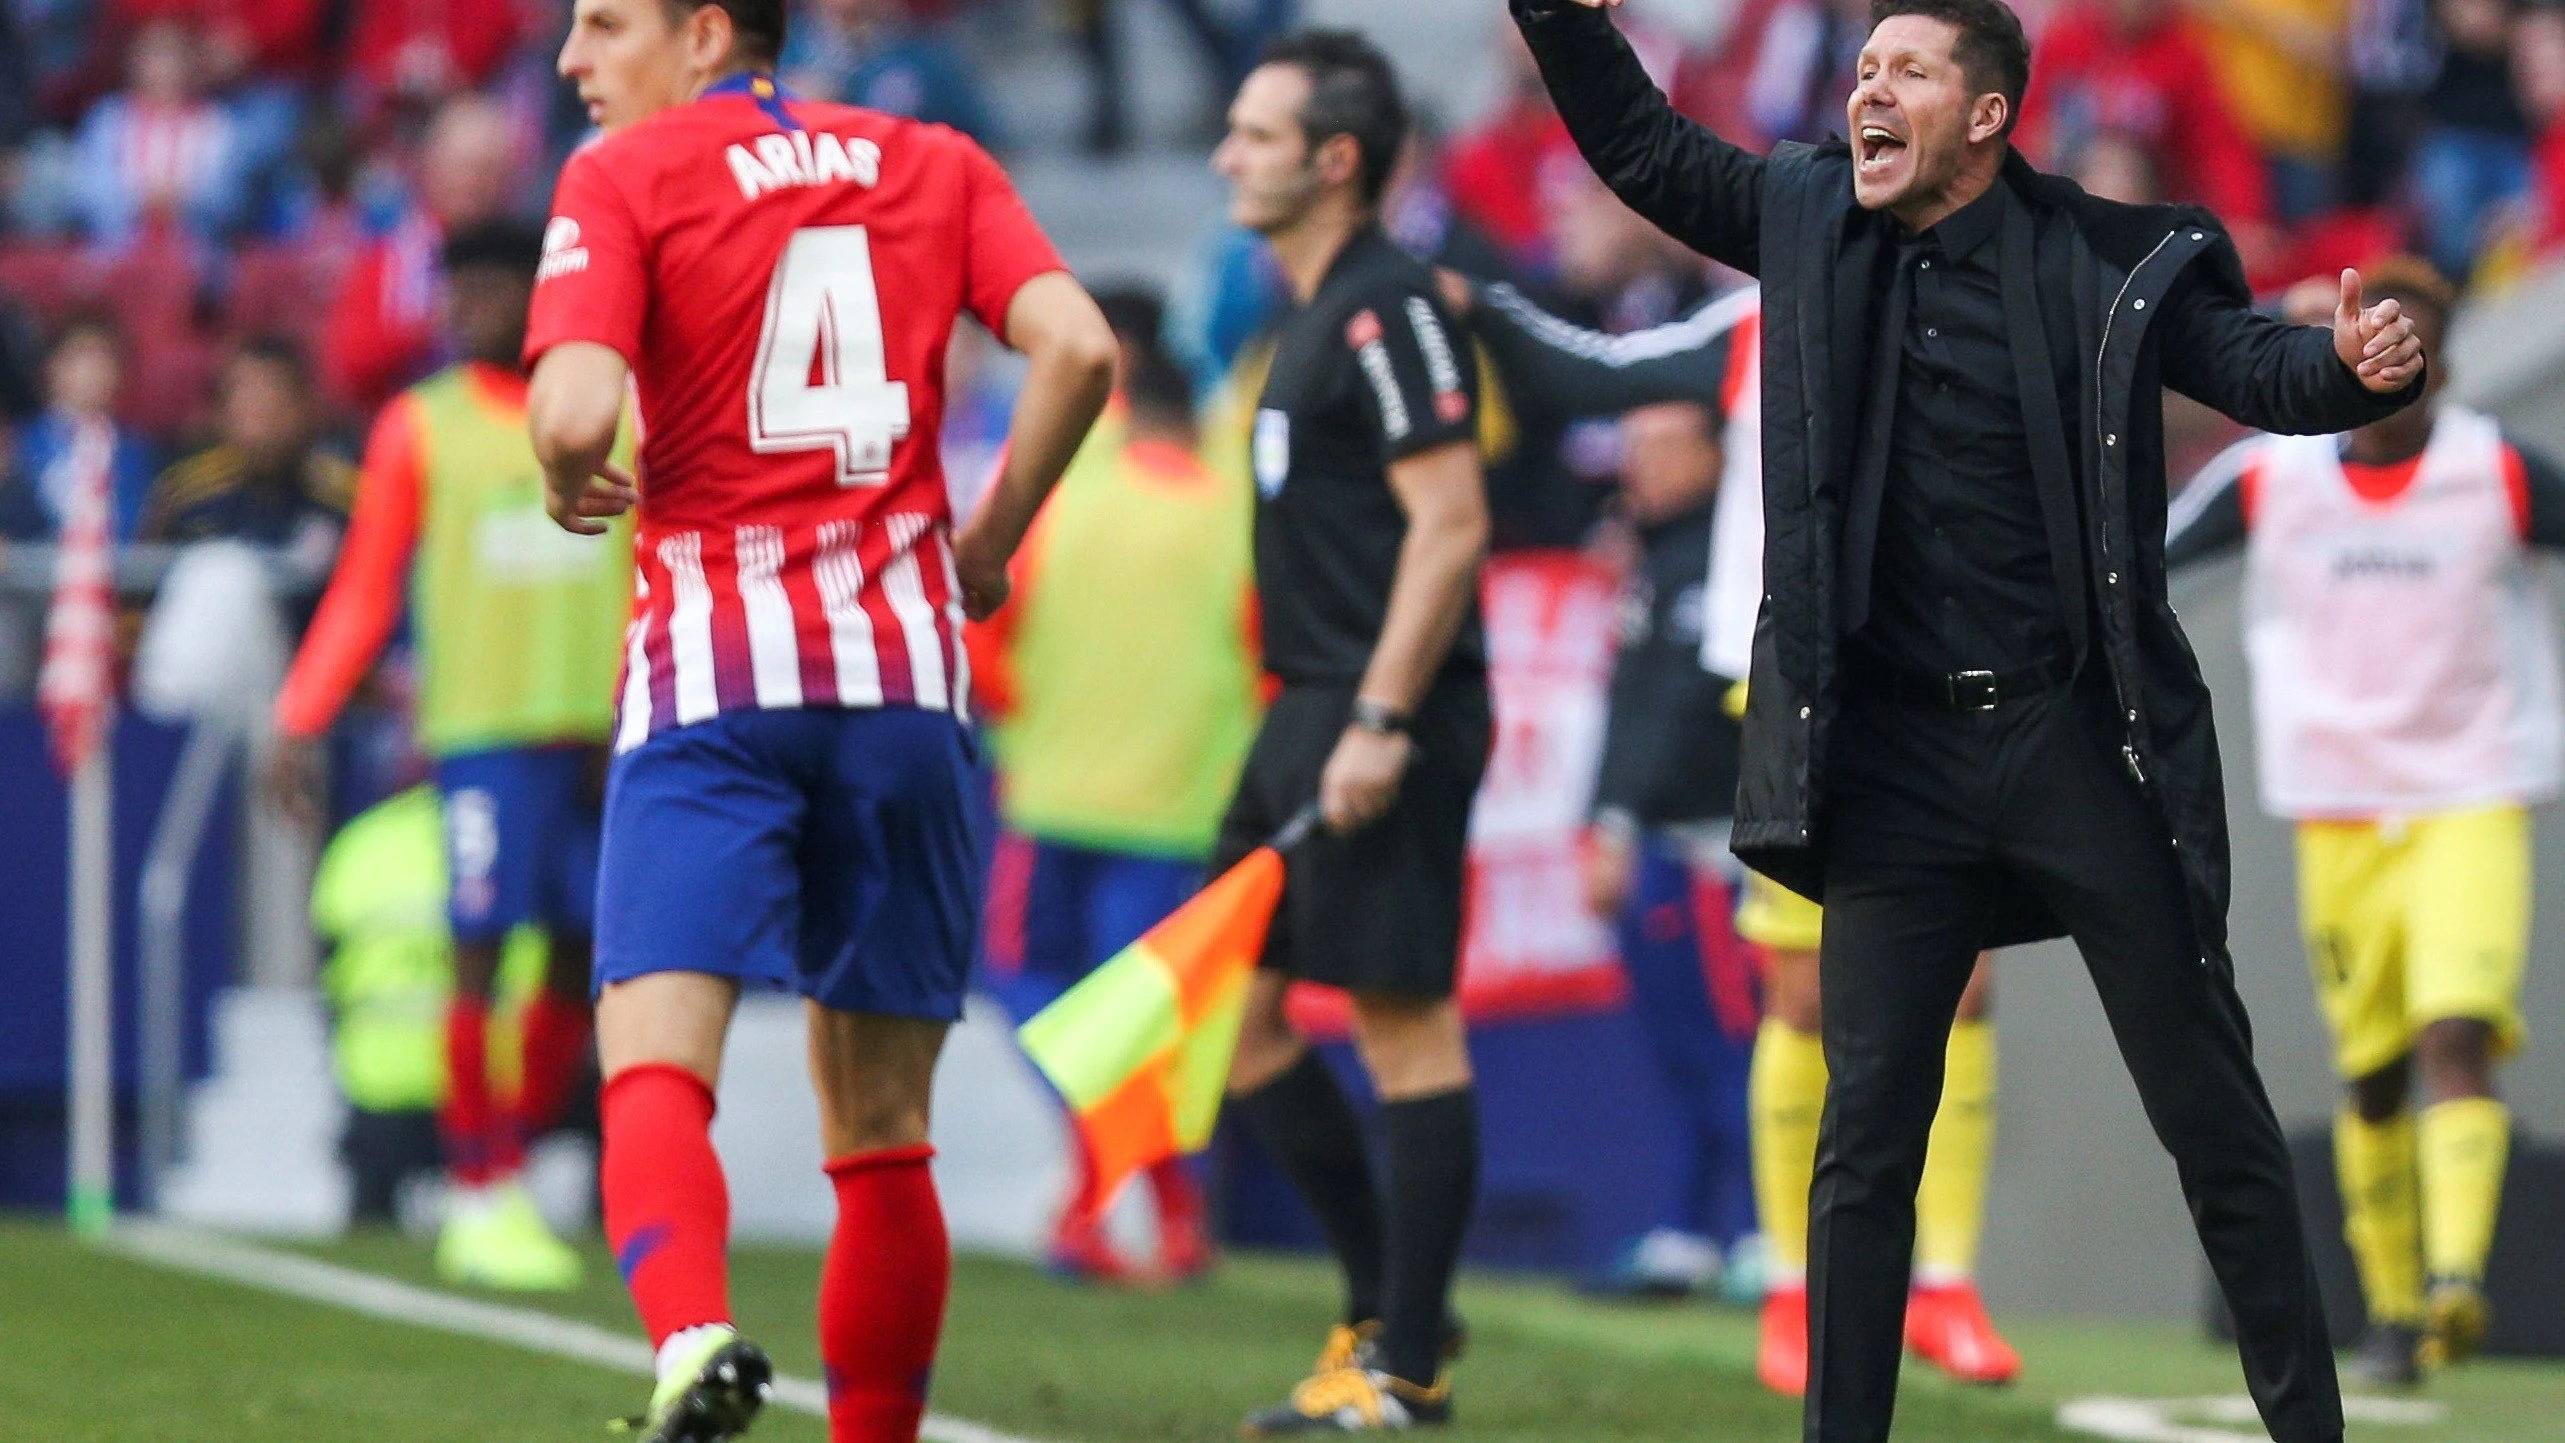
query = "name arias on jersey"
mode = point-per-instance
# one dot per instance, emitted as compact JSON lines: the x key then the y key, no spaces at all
{"x":792,"y":158}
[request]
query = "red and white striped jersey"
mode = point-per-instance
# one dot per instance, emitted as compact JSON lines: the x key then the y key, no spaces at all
{"x":783,"y":278}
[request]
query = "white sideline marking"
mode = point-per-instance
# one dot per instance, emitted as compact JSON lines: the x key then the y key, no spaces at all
{"x":214,"y":1256}
{"x":2157,"y":1420}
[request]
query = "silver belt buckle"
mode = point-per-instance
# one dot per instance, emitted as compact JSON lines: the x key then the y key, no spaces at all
{"x":1973,"y":691}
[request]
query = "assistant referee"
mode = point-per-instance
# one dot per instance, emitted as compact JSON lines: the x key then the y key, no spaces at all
{"x":1371,"y":521}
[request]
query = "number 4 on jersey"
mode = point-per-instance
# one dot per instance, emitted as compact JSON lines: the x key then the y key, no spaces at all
{"x":822,"y":383}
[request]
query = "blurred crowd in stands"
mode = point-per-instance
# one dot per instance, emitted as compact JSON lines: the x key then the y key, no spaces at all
{"x":219,"y":219}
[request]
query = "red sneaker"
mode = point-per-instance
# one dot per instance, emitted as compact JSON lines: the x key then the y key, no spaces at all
{"x":1782,"y":1359}
{"x":1947,"y":1326}
{"x":1184,"y":1221}
{"x":1079,"y":1249}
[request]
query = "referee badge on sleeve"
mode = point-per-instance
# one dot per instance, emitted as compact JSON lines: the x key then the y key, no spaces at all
{"x":1272,"y":451}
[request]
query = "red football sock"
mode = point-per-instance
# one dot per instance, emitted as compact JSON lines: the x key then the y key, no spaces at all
{"x":881,"y":1294}
{"x":1181,"y":1205}
{"x":667,"y":1205}
{"x":556,"y":1054}
{"x":469,"y":1121}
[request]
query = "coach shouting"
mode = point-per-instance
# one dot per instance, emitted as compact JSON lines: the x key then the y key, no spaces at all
{"x":1974,"y":720}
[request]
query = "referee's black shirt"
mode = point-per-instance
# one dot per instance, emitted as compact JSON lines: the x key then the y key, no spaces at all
{"x":1368,"y":373}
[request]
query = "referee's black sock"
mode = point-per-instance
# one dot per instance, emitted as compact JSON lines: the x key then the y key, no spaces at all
{"x":1433,"y":1181}
{"x":1304,"y":1120}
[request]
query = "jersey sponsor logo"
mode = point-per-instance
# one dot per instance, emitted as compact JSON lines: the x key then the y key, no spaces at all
{"x":562,"y":253}
{"x":1444,"y":372}
{"x":2385,"y":563}
{"x":1363,"y":333}
{"x":786,"y":159}
{"x":1272,"y":451}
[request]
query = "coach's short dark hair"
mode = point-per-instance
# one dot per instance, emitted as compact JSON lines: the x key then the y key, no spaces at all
{"x":756,"y":26}
{"x":1992,"y":51}
{"x":1353,"y":90}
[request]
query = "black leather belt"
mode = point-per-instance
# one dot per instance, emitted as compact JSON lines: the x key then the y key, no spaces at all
{"x":1966,"y":691}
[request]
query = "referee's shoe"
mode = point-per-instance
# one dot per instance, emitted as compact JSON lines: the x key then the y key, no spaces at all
{"x":1350,"y":1391}
{"x":1359,"y":1398}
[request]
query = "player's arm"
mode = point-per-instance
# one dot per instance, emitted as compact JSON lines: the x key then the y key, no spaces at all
{"x":1070,"y":354}
{"x":1572,"y":371}
{"x":358,"y":611}
{"x":583,"y":335}
{"x":2211,"y":515}
{"x":573,"y":408}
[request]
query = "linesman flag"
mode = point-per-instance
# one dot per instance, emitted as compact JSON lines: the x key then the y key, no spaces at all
{"x":1140,"y":1049}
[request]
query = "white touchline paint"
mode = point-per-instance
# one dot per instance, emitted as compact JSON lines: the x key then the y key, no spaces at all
{"x":214,"y":1256}
{"x":2154,"y":1420}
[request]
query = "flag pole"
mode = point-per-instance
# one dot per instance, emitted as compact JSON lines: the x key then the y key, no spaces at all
{"x":1297,"y":830}
{"x":92,"y":1081}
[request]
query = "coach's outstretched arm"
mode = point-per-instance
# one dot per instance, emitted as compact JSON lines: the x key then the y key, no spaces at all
{"x":2274,"y":376}
{"x":1694,"y":186}
{"x":1056,"y":325}
{"x":573,"y":406}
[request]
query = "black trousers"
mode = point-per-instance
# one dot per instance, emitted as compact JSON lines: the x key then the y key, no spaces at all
{"x":1931,"y":816}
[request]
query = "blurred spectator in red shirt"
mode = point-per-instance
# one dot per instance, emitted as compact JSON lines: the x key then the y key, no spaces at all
{"x":2137,"y":70}
{"x":1509,"y":175}
{"x":381,"y":333}
{"x":2538,"y":58}
{"x":421,"y":51}
{"x":1492,"y":169}
{"x":276,"y":38}
{"x":159,"y":150}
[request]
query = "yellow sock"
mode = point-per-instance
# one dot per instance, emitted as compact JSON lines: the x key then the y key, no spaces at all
{"x":2462,"y":1146}
{"x":2381,"y":1212}
{"x":1785,"y":1098}
{"x":1950,"y":1204}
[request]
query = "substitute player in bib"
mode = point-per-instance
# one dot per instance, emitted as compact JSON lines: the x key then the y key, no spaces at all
{"x":2405,"y":700}
{"x":791,"y":802}
{"x":1713,"y":358}
{"x":1371,"y":521}
{"x":516,"y":629}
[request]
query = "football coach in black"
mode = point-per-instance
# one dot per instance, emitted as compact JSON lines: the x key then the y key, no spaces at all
{"x":1974,"y":720}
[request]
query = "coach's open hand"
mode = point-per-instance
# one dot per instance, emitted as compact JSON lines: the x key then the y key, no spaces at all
{"x":2378,"y":343}
{"x":1360,"y":783}
{"x":584,"y":506}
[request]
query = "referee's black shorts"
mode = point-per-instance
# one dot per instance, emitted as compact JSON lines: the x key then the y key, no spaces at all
{"x":1378,"y":911}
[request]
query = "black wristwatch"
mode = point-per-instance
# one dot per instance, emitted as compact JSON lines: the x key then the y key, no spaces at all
{"x":1379,"y":716}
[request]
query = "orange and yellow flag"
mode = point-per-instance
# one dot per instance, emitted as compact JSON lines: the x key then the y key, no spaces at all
{"x":1141,"y":1049}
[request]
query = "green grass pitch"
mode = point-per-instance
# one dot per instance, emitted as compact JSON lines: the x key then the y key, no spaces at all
{"x":108,"y":1350}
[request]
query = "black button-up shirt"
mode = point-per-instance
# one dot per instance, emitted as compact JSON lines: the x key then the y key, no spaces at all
{"x":1961,"y":578}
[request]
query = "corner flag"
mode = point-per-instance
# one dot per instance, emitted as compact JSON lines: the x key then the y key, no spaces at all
{"x":1141,"y":1049}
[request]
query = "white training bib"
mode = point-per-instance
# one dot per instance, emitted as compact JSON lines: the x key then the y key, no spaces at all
{"x":2402,"y":656}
